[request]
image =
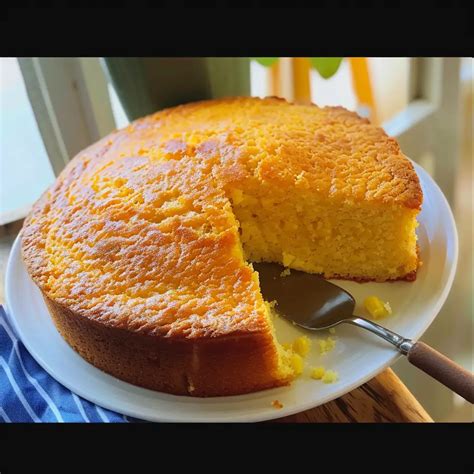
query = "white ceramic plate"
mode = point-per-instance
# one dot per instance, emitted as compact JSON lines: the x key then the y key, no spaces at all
{"x":358,"y":355}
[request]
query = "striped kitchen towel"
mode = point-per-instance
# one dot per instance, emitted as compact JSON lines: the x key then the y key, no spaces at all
{"x":29,"y":394}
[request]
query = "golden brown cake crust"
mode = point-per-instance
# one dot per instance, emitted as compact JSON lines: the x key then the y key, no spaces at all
{"x":137,"y":234}
{"x":203,"y":368}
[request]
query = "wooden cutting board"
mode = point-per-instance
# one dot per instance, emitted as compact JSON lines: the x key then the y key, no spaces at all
{"x":383,"y":399}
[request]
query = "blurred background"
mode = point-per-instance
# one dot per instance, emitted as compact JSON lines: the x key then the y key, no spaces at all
{"x":51,"y":108}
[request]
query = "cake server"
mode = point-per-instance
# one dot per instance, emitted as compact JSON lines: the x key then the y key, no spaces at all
{"x":313,"y":303}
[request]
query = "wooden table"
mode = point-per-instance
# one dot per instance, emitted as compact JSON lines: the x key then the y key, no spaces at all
{"x":383,"y":399}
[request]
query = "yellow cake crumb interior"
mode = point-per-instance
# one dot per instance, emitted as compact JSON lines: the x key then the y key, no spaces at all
{"x":337,"y":239}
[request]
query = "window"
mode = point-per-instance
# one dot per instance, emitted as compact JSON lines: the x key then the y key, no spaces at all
{"x":52,"y":108}
{"x":25,"y":170}
{"x":389,"y":78}
{"x":120,"y":117}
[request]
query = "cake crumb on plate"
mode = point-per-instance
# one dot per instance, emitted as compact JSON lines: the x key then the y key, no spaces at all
{"x":302,"y":345}
{"x":277,"y":404}
{"x":330,"y":376}
{"x":317,"y":373}
{"x":326,"y":345}
{"x":377,"y":308}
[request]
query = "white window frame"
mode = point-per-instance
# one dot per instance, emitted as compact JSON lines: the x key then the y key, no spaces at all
{"x":431,"y":119}
{"x":71,"y":104}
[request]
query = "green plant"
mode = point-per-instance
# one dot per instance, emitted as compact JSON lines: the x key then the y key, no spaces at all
{"x":326,"y":67}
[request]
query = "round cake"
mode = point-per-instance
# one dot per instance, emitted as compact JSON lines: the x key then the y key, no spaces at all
{"x":142,"y":248}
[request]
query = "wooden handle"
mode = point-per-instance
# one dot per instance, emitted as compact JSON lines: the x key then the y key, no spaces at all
{"x":443,"y":369}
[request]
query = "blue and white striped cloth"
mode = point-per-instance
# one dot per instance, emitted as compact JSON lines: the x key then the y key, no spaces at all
{"x":29,"y":394}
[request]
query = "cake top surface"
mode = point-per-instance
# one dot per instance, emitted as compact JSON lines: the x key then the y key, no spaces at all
{"x":138,"y":230}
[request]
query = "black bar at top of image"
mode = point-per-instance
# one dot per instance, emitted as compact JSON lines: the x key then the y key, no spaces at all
{"x":376,"y":30}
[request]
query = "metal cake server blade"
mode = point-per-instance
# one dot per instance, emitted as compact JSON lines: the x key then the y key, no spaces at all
{"x":314,"y":303}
